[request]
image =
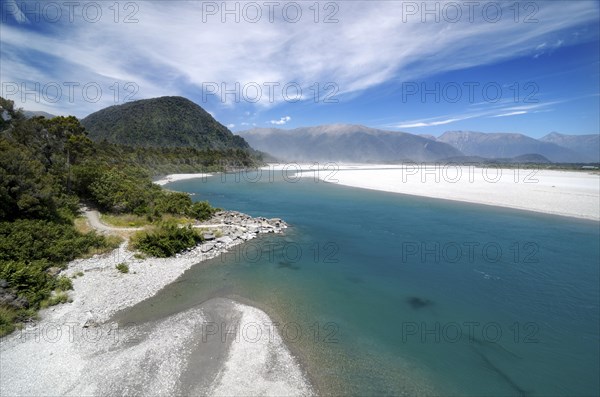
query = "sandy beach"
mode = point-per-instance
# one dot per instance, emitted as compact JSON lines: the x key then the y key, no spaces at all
{"x":566,"y":193}
{"x":75,"y":348}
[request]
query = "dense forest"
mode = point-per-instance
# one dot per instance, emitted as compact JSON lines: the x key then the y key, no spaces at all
{"x":161,"y":122}
{"x":48,"y":167}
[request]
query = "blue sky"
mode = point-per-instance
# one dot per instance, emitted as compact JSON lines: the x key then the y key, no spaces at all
{"x":529,"y":67}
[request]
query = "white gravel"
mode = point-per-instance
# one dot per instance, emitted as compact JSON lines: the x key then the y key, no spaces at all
{"x":59,"y":356}
{"x":566,"y":193}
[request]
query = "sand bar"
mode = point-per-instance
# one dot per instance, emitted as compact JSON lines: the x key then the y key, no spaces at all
{"x":567,"y":193}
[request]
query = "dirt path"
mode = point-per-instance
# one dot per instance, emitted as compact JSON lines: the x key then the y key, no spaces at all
{"x":93,"y":218}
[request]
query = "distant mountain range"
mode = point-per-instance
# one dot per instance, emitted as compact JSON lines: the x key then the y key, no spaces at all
{"x":35,"y":113}
{"x":355,"y":143}
{"x":347,"y":143}
{"x":178,"y":122}
{"x":588,"y":145}
{"x":161,"y":122}
{"x":507,"y":145}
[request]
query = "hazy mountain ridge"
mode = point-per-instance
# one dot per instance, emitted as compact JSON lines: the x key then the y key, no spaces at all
{"x":342,"y":142}
{"x":161,"y":122}
{"x":357,"y":143}
{"x":37,"y":113}
{"x":588,"y":145}
{"x":509,"y":145}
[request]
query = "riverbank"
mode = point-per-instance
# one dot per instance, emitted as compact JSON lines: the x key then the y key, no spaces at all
{"x":178,"y":177}
{"x":76,"y":349}
{"x":567,"y":193}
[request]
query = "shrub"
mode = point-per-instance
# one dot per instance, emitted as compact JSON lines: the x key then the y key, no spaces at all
{"x":7,"y":318}
{"x":122,"y":267}
{"x":201,"y":210}
{"x":64,"y":283}
{"x":28,"y":240}
{"x":167,"y":240}
{"x":58,"y":297}
{"x":28,"y":279}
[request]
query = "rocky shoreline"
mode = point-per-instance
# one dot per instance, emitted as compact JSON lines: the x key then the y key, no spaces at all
{"x":34,"y":363}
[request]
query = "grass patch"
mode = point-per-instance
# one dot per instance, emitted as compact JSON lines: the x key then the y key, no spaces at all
{"x":111,"y":242}
{"x":125,"y":220}
{"x":132,"y":220}
{"x":82,"y":225}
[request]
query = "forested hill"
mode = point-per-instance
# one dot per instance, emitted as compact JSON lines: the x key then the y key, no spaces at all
{"x":169,"y":121}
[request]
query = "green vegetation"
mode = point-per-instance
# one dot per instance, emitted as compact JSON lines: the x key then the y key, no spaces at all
{"x":124,"y":220}
{"x":161,"y":122}
{"x":166,"y":240}
{"x":55,"y":299}
{"x":122,"y":267}
{"x":49,"y":166}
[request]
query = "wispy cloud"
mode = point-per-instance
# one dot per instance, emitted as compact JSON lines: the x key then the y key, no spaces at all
{"x":11,"y":8}
{"x":511,"y":113}
{"x":170,"y":51}
{"x":492,"y":111}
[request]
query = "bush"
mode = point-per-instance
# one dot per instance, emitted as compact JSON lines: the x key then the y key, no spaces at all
{"x":58,"y":243}
{"x":58,"y":297}
{"x":7,"y":318}
{"x":122,"y":267}
{"x":167,"y":240}
{"x":175,"y":203}
{"x":64,"y":283}
{"x":28,"y":279}
{"x":201,"y":210}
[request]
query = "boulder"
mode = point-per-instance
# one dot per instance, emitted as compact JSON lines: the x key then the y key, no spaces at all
{"x":208,"y":236}
{"x":225,"y":240}
{"x":53,"y":271}
{"x":206,"y":247}
{"x":90,"y":323}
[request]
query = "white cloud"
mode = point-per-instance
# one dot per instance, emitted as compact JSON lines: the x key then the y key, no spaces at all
{"x":230,"y":126}
{"x":281,"y":121}
{"x":171,"y":51}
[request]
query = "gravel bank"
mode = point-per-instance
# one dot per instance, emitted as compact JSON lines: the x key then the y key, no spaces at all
{"x":73,"y":350}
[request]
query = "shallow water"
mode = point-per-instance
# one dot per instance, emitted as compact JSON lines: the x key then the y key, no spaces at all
{"x":381,"y":293}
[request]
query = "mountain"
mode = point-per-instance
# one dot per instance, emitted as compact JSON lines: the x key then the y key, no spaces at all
{"x":507,"y":145}
{"x":161,"y":122}
{"x":586,"y":145}
{"x":35,"y":113}
{"x":348,"y":143}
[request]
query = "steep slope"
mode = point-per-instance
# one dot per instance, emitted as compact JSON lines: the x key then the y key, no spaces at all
{"x":586,"y":145}
{"x":350,"y":143}
{"x":506,"y":145}
{"x":161,"y":122}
